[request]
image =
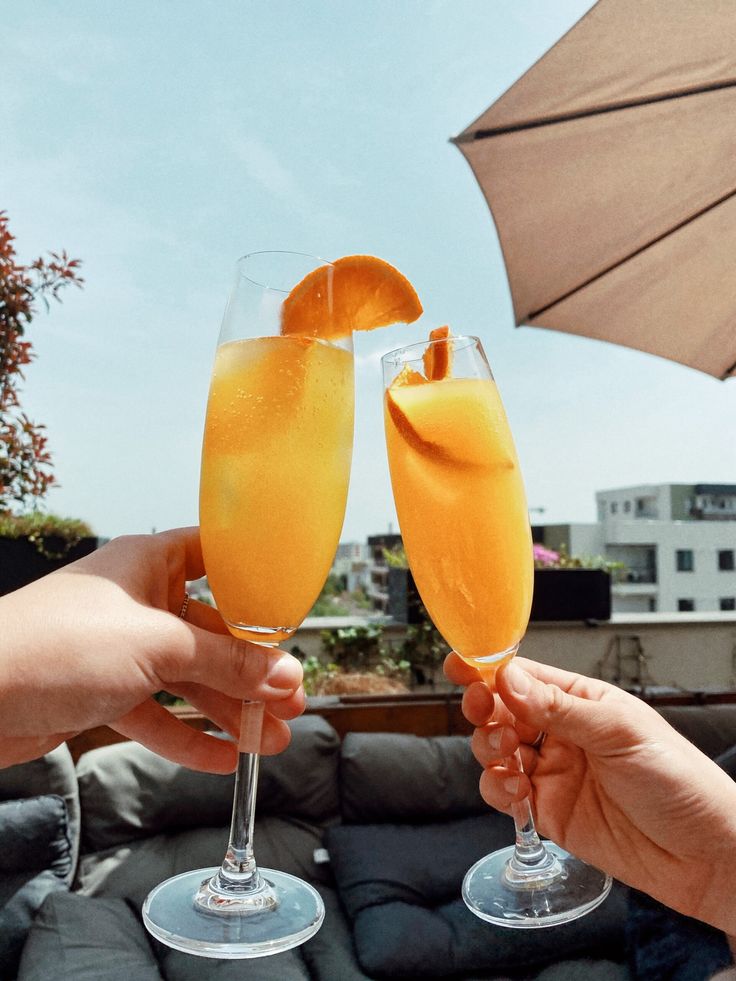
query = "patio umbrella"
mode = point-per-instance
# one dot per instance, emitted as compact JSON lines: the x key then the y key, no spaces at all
{"x":610,"y":171}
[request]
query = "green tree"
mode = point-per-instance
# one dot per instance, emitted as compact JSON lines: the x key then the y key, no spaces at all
{"x":25,"y":461}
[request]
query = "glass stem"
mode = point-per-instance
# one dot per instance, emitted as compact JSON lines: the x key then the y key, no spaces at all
{"x":239,"y":872}
{"x":529,"y":852}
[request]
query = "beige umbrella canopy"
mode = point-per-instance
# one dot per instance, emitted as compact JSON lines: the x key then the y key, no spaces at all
{"x":610,"y":170}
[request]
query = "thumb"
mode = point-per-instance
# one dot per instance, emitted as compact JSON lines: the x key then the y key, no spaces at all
{"x":585,"y":722}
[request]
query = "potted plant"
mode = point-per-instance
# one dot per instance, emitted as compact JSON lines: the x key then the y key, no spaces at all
{"x":571,"y":587}
{"x":32,"y":542}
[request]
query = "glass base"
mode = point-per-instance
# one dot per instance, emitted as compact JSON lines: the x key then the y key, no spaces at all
{"x":184,"y":913}
{"x":266,"y":636}
{"x":563,"y":889}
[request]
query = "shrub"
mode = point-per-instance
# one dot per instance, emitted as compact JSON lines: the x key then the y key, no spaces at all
{"x":25,"y":462}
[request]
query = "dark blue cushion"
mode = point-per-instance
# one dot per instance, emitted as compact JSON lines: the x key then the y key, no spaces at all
{"x":667,"y":946}
{"x":400,"y":886}
{"x":35,"y":860}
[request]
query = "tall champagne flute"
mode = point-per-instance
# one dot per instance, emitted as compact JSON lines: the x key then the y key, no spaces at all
{"x":275,"y":467}
{"x":464,"y":522}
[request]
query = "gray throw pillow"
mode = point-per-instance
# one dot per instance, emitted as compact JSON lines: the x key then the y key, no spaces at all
{"x":35,"y":860}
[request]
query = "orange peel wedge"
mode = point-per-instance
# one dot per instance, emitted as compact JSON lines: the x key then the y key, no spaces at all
{"x":437,"y":357}
{"x":355,"y":293}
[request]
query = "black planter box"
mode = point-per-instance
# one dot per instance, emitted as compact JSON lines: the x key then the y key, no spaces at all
{"x":21,"y":562}
{"x":559,"y":594}
{"x":571,"y":594}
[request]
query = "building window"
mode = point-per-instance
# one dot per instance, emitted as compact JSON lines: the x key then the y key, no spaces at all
{"x":685,"y":560}
{"x":614,"y":507}
{"x":686,"y":605}
{"x":627,"y":506}
{"x":725,"y":560}
{"x":727,"y":602}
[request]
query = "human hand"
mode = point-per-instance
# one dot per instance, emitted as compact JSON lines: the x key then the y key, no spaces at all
{"x":90,"y":644}
{"x":613,"y":782}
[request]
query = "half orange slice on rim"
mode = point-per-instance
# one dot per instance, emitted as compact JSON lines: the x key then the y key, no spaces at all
{"x":357,"y":292}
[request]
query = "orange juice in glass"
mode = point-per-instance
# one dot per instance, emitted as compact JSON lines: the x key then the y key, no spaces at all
{"x":275,"y":467}
{"x":464,"y":523}
{"x":461,"y":504}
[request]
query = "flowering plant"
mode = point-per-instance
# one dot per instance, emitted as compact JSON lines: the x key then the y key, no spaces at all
{"x":547,"y":558}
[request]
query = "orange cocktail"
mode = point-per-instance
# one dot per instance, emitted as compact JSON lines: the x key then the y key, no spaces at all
{"x":461,"y":504}
{"x":275,"y":469}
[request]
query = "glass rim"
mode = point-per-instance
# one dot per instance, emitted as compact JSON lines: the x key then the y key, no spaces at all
{"x":241,"y":261}
{"x":398,"y":355}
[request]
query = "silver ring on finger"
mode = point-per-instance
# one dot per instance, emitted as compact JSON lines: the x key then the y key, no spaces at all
{"x":539,"y":741}
{"x":184,"y":606}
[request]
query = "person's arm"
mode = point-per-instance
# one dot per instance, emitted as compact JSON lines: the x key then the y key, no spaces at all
{"x":612,"y":782}
{"x":90,"y":644}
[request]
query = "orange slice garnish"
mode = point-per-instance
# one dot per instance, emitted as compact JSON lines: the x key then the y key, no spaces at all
{"x":438,"y":356}
{"x":357,"y":292}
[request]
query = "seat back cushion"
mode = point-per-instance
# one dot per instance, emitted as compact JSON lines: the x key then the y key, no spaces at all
{"x":388,"y":776}
{"x":35,"y":860}
{"x":711,"y":727}
{"x":128,"y":792}
{"x":53,"y":773}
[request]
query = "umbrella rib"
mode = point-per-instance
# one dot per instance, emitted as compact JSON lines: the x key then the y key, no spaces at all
{"x":632,"y":255}
{"x":565,"y":117}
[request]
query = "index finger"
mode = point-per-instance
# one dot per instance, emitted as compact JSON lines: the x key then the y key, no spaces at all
{"x":188,"y":540}
{"x":568,"y":681}
{"x":459,"y":672}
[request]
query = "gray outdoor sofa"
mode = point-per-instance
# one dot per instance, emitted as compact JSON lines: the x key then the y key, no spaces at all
{"x":401,"y":819}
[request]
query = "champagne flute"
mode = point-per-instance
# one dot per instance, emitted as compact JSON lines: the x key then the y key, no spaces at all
{"x":275,"y":467}
{"x":464,"y":521}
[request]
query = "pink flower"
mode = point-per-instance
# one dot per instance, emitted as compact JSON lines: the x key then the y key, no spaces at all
{"x":545,"y":556}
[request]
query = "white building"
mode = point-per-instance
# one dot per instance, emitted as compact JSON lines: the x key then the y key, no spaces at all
{"x":353,"y":563}
{"x":677,"y":542}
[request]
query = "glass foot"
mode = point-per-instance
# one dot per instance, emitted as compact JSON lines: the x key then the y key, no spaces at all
{"x":563,"y":890}
{"x":291,"y":913}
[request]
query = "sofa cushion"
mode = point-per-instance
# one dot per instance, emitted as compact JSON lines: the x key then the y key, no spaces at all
{"x":399,"y":777}
{"x":50,"y":774}
{"x":176,"y":966}
{"x":727,"y":762}
{"x":35,"y":860}
{"x":128,"y":792}
{"x":667,"y":946}
{"x":400,"y":886}
{"x":78,"y":939}
{"x":712,"y":728}
{"x":330,"y":953}
{"x":130,"y":871}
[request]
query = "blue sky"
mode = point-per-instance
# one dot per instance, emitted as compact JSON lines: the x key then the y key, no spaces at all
{"x":160,"y":141}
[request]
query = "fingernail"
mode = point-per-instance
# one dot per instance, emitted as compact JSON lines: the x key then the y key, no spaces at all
{"x":494,"y":742}
{"x":517,"y":679}
{"x":511,"y":786}
{"x":284,"y":673}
